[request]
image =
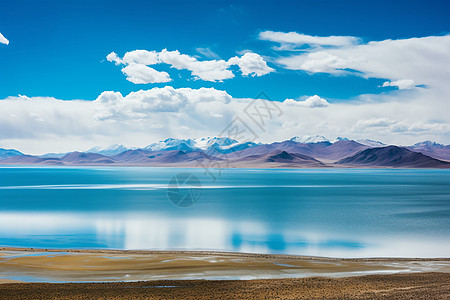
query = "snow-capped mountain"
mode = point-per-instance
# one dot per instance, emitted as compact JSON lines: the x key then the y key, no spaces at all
{"x":432,"y":149}
{"x":309,"y":139}
{"x":371,"y":143}
{"x":171,"y":144}
{"x":193,"y":144}
{"x":222,"y":142}
{"x":338,"y":139}
{"x":428,"y":144}
{"x":110,"y":150}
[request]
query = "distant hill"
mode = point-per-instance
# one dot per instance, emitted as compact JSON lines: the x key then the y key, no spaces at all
{"x":277,"y":159}
{"x":31,"y":160}
{"x":297,"y":152}
{"x":81,"y":158}
{"x":322,"y":150}
{"x":7,"y":153}
{"x":432,"y":149}
{"x":371,"y":143}
{"x":108,"y":151}
{"x":392,"y":156}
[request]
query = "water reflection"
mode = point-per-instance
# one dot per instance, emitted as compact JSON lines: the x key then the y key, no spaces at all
{"x":159,"y":232}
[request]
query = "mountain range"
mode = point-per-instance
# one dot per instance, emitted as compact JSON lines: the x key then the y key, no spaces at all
{"x":221,"y":152}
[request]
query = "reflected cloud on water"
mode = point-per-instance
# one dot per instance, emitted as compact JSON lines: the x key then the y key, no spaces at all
{"x":161,"y":232}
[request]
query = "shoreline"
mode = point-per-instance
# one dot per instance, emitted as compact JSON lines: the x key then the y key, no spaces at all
{"x":112,"y":265}
{"x":328,"y":166}
{"x":149,"y":274}
{"x":220,"y":253}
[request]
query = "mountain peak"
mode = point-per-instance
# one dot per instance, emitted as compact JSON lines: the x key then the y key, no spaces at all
{"x":428,"y":144}
{"x":371,"y":143}
{"x":340,"y":138}
{"x":108,"y":151}
{"x":310,"y":139}
{"x":7,"y":153}
{"x":192,"y":144}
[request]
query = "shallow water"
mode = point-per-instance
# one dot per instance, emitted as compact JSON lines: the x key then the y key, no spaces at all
{"x":329,"y":212}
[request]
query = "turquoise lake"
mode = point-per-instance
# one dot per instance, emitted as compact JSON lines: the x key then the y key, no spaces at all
{"x":326,"y":212}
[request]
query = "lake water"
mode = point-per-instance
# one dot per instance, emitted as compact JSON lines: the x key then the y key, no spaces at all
{"x":329,"y":212}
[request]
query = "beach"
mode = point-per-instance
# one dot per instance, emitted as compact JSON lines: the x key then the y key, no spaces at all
{"x":77,"y":274}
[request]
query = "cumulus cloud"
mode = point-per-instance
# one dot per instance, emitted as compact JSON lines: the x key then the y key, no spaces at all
{"x":207,"y":70}
{"x":251,"y":64}
{"x":146,"y":116}
{"x":142,"y":57}
{"x":3,"y":40}
{"x":137,"y":73}
{"x":143,"y":103}
{"x":294,"y":40}
{"x":403,"y":84}
{"x":113,"y":57}
{"x":313,"y":101}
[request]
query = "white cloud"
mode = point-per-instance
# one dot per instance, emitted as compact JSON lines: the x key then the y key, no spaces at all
{"x":405,"y":63}
{"x":313,"y":101}
{"x":143,"y":57}
{"x":3,"y":40}
{"x":383,"y":125}
{"x":422,"y":60}
{"x":141,"y":104}
{"x":293,"y":40}
{"x":403,"y":84}
{"x":113,"y":57}
{"x":374,"y":122}
{"x":141,"y":74}
{"x":146,"y":116}
{"x":251,"y":64}
{"x":207,"y":70}
{"x":208,"y":53}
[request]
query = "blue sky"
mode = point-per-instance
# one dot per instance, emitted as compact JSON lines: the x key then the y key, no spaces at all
{"x":59,"y":49}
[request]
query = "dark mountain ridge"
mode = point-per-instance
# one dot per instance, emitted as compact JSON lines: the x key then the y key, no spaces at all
{"x":392,"y":156}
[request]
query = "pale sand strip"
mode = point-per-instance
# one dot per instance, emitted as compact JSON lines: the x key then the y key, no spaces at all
{"x":23,"y":264}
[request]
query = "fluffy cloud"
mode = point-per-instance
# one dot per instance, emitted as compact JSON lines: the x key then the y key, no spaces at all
{"x":313,"y":101}
{"x":294,"y":40}
{"x":42,"y":124}
{"x":208,"y":70}
{"x":142,"y":57}
{"x":137,"y":73}
{"x":142,"y":104}
{"x":251,"y":64}
{"x":113,"y":57}
{"x":403,"y":84}
{"x":3,"y":40}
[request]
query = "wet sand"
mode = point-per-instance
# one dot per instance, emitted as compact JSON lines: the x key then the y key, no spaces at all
{"x":156,"y":274}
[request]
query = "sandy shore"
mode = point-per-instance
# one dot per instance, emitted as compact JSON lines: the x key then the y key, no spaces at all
{"x":157,"y":274}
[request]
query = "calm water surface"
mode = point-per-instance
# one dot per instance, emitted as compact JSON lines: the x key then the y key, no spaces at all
{"x":339,"y":213}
